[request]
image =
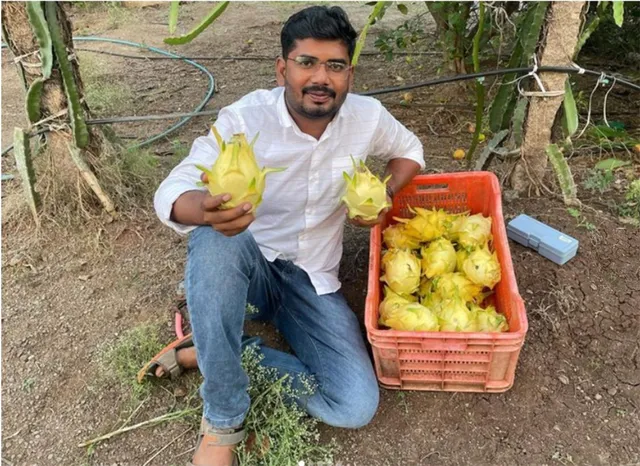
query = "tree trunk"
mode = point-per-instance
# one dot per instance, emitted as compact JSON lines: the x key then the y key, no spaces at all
{"x":60,"y":170}
{"x":563,"y":28}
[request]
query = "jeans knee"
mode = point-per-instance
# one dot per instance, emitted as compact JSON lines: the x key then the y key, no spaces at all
{"x":355,"y":405}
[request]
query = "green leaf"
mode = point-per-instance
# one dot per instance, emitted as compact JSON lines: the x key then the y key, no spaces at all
{"x":479,"y":86}
{"x":173,"y":16}
{"x":528,"y":34}
{"x":618,"y":12}
{"x":517,"y":122}
{"x":575,"y":213}
{"x":484,"y":159}
{"x":563,"y":173}
{"x":211,"y":17}
{"x":378,"y":10}
{"x":570,"y":110}
{"x":22,"y":154}
{"x":403,"y":8}
{"x":611,"y":164}
{"x":34,"y":95}
{"x":39,"y":25}
{"x":78,"y":125}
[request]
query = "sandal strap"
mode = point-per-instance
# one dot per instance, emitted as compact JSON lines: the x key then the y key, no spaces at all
{"x":169,"y":362}
{"x":221,"y":437}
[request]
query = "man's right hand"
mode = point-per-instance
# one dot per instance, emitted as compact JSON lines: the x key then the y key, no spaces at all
{"x":201,"y":208}
{"x":229,"y":222}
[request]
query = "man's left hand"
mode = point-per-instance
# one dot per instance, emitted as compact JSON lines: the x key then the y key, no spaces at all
{"x":359,"y":221}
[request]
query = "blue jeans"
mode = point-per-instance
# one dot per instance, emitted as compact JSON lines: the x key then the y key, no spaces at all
{"x":223,"y":275}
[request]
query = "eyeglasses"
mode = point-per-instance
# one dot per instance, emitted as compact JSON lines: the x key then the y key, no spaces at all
{"x":313,"y":64}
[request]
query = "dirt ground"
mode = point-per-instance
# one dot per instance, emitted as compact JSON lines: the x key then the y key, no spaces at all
{"x":70,"y":293}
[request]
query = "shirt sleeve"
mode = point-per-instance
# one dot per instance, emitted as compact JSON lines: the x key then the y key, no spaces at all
{"x":185,"y":176}
{"x":393,"y":140}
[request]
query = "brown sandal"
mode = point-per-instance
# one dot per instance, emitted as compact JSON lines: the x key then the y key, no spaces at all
{"x":219,"y":437}
{"x":166,"y":359}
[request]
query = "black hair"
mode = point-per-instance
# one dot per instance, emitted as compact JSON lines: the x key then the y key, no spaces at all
{"x":318,"y":22}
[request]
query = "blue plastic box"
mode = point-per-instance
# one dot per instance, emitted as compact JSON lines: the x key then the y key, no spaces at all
{"x":547,"y":241}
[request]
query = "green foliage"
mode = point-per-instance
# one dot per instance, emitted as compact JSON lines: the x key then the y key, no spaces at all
{"x":618,"y":12}
{"x":24,"y":164}
{"x":451,"y":19}
{"x":570,"y":120}
{"x":215,"y":12}
{"x":599,"y":180}
{"x":609,"y":39}
{"x":527,"y":34}
{"x":284,"y":434}
{"x":611,"y":164}
{"x":479,"y":84}
{"x":78,"y":125}
{"x":591,"y":24}
{"x":376,"y":14}
{"x":41,"y":30}
{"x":484,"y":159}
{"x":563,"y":173}
{"x":580,"y":219}
{"x":174,"y":9}
{"x":121,"y":360}
{"x":409,"y":33}
{"x":611,"y":137}
{"x":517,"y":121}
{"x":631,"y":207}
{"x":33,"y":98}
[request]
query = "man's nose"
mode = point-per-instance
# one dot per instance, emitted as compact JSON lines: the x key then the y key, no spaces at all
{"x":320,"y":74}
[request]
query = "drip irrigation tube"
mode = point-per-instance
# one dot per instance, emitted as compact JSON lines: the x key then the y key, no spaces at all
{"x":166,"y":54}
{"x":200,"y":106}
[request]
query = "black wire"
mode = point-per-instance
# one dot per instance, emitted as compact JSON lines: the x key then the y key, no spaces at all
{"x":433,"y":82}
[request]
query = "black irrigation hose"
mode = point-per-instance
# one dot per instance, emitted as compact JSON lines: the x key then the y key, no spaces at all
{"x":464,"y":77}
{"x":433,"y":82}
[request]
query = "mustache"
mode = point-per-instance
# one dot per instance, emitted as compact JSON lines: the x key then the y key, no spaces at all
{"x":322,"y":89}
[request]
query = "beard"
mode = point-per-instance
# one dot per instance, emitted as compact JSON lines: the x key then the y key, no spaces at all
{"x":314,"y":110}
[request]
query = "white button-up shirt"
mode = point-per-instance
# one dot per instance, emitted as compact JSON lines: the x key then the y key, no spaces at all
{"x":301,"y":218}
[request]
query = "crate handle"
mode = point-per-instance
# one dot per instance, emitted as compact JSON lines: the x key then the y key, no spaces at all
{"x":432,"y":187}
{"x":440,"y":345}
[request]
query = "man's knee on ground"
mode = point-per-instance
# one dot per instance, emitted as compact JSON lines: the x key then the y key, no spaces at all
{"x":355,"y":405}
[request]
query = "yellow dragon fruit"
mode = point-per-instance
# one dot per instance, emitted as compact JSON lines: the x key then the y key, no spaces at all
{"x":412,"y":317}
{"x":366,"y":195}
{"x":395,"y":236}
{"x":456,"y":285}
{"x":236,"y":172}
{"x":482,"y":267}
{"x":461,"y":256}
{"x":452,"y":231}
{"x":402,"y":272}
{"x":454,"y":316}
{"x":438,"y":258}
{"x":391,"y":302}
{"x":488,"y":320}
{"x":427,"y":225}
{"x":425,"y":288}
{"x":474,"y":231}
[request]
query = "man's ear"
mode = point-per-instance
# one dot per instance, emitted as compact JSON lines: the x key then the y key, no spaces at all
{"x":281,"y":70}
